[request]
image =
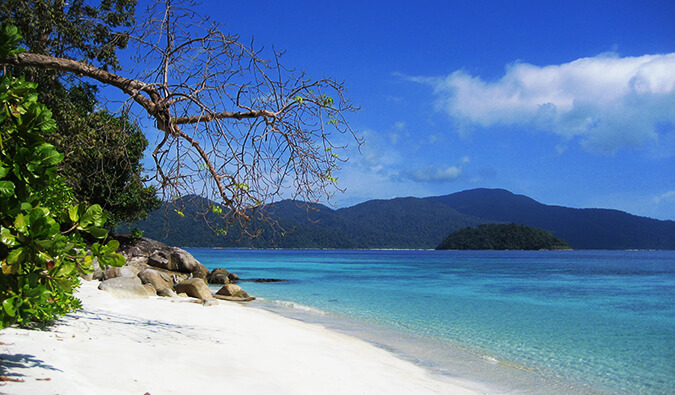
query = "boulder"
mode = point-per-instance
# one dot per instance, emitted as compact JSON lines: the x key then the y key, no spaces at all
{"x":233,"y":277}
{"x":144,"y":252}
{"x":232,"y":290}
{"x":234,"y":298}
{"x":150,"y":289}
{"x":143,"y":247}
{"x":168,"y":293}
{"x":219,"y":276}
{"x":158,"y":279}
{"x":160,"y":259}
{"x":124,"y":287}
{"x":182,"y":261}
{"x":123,"y":271}
{"x":194,"y":287}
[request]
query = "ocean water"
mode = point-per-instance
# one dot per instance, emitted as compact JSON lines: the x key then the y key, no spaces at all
{"x":516,"y":321}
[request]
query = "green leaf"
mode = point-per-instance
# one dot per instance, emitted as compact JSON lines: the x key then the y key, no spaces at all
{"x":8,"y":305}
{"x":98,"y":233}
{"x":112,"y":246}
{"x":73,"y":213}
{"x":20,"y":224}
{"x":4,"y":171}
{"x":16,"y":256}
{"x":48,"y":155}
{"x":6,"y":188}
{"x":93,"y":216}
{"x":7,"y":238}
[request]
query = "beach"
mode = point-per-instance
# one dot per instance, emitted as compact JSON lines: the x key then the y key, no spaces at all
{"x":179,"y":346}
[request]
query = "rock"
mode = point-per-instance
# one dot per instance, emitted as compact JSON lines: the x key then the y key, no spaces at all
{"x":232,"y":290}
{"x":144,"y":252}
{"x":168,"y":293}
{"x":234,"y":298}
{"x":182,"y":261}
{"x":195,"y":287}
{"x":143,"y":247}
{"x":124,"y":287}
{"x":233,"y":277}
{"x":219,"y":276}
{"x":150,"y":289}
{"x":160,"y":259}
{"x":123,"y":271}
{"x":158,"y":279}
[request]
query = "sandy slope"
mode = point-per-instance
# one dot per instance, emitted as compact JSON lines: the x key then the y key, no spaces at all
{"x":164,"y":346}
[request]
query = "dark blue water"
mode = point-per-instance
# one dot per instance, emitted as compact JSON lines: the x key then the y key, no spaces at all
{"x":541,"y":322}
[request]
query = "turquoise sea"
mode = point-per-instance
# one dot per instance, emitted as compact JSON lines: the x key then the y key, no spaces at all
{"x":517,"y":321}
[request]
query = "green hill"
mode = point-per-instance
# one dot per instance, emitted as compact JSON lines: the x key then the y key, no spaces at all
{"x":501,"y":237}
{"x":416,"y":223}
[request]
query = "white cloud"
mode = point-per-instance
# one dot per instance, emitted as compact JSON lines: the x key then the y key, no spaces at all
{"x":668,"y":196}
{"x":609,"y":102}
{"x":433,"y":174}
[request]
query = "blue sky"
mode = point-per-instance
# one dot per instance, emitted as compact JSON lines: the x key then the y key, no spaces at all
{"x":569,"y":102}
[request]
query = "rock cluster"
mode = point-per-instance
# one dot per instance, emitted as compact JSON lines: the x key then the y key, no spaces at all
{"x":153,"y":268}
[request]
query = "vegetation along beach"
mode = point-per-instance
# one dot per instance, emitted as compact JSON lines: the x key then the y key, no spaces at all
{"x":337,"y":197}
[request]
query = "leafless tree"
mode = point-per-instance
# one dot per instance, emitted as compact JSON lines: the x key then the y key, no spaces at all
{"x":236,"y":125}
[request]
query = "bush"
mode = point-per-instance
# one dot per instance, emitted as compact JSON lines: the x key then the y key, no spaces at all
{"x":41,"y":240}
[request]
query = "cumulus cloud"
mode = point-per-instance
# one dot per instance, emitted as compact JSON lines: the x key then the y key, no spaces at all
{"x":433,"y":174}
{"x":608,"y":102}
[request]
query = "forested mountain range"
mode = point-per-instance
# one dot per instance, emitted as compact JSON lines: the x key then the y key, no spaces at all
{"x":411,"y":223}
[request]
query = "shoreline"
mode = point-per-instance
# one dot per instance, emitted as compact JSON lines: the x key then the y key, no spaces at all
{"x":173,"y":346}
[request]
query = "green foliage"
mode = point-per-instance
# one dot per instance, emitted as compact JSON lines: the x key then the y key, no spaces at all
{"x":102,"y":151}
{"x":74,"y":29}
{"x":103,"y":165}
{"x":41,"y":243}
{"x":502,"y":237}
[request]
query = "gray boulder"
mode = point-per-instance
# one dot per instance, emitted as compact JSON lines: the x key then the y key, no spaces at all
{"x":160,"y":259}
{"x":194,"y":287}
{"x":233,"y":290}
{"x":124,"y":287}
{"x":182,"y":261}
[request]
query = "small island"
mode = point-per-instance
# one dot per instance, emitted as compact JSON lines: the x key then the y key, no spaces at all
{"x":502,"y":237}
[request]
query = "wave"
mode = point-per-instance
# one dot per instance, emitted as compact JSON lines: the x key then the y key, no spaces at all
{"x":294,"y":305}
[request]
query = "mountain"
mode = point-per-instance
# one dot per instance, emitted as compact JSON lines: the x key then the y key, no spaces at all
{"x":407,"y":223}
{"x":581,"y":228}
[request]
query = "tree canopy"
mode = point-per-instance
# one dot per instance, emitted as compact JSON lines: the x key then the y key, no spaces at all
{"x":103,"y":151}
{"x":235,"y":124}
{"x":501,"y":237}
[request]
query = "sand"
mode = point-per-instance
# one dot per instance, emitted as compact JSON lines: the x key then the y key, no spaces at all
{"x":173,"y":346}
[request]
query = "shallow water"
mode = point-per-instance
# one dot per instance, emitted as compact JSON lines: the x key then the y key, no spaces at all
{"x":533,"y":322}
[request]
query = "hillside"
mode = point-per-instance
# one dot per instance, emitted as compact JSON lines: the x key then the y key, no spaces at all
{"x":411,"y":223}
{"x":581,"y":228}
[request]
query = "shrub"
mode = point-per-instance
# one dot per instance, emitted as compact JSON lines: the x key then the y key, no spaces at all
{"x":42,"y":249}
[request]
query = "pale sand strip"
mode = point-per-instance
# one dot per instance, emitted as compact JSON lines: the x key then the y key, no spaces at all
{"x":160,"y":346}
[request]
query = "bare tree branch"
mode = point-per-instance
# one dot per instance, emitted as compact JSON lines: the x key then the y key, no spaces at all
{"x":237,"y":128}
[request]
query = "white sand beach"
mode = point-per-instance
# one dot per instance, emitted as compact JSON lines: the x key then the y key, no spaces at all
{"x":172,"y":346}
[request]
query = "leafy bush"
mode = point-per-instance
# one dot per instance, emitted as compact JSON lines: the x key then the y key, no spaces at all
{"x":42,"y":249}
